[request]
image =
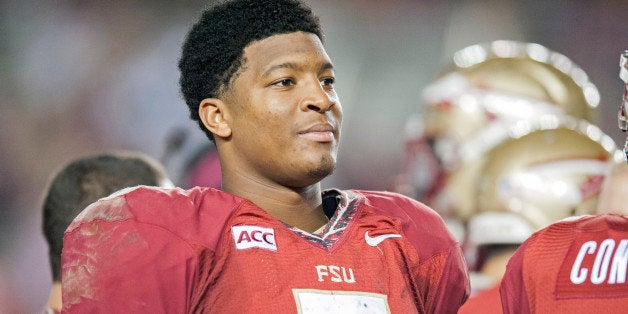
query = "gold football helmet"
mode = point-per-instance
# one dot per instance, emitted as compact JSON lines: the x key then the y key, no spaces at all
{"x":547,"y":170}
{"x":470,"y":107}
{"x":502,"y":81}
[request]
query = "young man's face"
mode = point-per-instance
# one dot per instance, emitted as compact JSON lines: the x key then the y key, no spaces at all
{"x":285,"y":114}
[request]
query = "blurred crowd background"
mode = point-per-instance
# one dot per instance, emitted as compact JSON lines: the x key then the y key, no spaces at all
{"x":81,"y":77}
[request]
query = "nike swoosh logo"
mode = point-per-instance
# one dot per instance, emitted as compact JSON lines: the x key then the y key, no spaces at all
{"x":374,"y":241}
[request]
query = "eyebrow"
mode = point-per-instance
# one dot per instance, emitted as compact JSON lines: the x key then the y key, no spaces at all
{"x":294,"y":66}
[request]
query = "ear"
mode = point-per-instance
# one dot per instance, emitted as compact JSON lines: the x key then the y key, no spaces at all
{"x":213,"y":113}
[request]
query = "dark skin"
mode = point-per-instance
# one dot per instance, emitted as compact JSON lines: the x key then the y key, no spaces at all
{"x":277,"y":127}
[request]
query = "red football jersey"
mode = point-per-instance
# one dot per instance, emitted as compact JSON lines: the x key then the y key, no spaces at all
{"x":202,"y":250}
{"x":572,"y":266}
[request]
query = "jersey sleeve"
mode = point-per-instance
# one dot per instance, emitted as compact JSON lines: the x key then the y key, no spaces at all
{"x":452,"y":286}
{"x":125,"y":266}
{"x":512,"y":288}
{"x":442,"y":262}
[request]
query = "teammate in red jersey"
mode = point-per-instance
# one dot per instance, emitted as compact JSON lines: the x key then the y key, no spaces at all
{"x":572,"y":266}
{"x":84,"y":181}
{"x":259,"y":83}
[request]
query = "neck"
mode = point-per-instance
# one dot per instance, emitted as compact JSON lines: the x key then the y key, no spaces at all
{"x":298,"y":207}
{"x":495,"y":267}
{"x":54,"y":302}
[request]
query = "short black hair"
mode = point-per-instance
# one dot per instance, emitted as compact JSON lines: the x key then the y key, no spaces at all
{"x":213,"y":50}
{"x":84,"y":181}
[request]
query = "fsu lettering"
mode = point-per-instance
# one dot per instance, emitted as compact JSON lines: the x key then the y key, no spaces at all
{"x":608,"y":266}
{"x":335,"y":273}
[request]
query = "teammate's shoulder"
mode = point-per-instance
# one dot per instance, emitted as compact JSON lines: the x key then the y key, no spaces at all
{"x":589,"y":223}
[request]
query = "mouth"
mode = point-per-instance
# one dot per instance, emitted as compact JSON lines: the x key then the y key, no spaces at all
{"x":322,"y":132}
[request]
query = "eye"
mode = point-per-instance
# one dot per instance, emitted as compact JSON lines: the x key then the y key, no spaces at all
{"x":284,"y":83}
{"x":328,"y":81}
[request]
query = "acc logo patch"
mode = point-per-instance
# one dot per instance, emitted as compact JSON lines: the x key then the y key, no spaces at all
{"x":248,"y":237}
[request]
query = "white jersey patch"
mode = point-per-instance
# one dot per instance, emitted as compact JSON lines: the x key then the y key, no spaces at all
{"x":311,"y":301}
{"x":248,"y":237}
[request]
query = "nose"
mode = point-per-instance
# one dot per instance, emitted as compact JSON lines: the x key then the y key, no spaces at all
{"x":318,"y":98}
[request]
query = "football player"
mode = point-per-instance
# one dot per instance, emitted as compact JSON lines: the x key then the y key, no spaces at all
{"x":547,"y":171}
{"x":84,"y":181}
{"x":577,"y":265}
{"x":260,"y":84}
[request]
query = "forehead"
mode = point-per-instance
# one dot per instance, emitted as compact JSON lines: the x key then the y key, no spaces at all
{"x":297,"y":47}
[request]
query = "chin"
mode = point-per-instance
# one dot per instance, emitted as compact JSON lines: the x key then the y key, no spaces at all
{"x":320,"y":173}
{"x":324,"y":168}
